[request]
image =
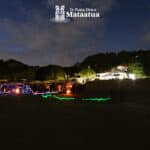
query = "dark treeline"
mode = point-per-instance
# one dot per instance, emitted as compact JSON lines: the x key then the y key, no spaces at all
{"x":106,"y":61}
{"x":14,"y":70}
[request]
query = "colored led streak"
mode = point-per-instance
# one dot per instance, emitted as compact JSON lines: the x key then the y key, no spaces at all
{"x":101,"y":99}
{"x":63,"y":98}
{"x":46,"y":95}
{"x":57,"y":97}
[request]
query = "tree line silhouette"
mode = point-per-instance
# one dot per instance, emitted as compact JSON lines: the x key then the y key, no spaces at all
{"x":14,"y":70}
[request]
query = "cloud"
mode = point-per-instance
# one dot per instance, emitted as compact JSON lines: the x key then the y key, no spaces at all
{"x":144,"y":40}
{"x":37,"y":41}
{"x":146,"y":37}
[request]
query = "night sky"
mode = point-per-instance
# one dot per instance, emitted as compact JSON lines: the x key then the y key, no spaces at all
{"x":28,"y":35}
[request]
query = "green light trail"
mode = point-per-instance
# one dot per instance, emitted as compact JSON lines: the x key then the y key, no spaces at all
{"x":63,"y":98}
{"x":101,"y":99}
{"x":46,"y":96}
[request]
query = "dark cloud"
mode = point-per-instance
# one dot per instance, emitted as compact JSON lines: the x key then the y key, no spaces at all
{"x":146,"y":37}
{"x":40,"y":42}
{"x":144,"y":40}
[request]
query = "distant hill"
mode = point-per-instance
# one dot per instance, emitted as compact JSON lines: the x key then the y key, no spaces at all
{"x":14,"y":70}
{"x":105,"y":61}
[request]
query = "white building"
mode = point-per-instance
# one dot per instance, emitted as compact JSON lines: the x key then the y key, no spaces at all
{"x":114,"y":75}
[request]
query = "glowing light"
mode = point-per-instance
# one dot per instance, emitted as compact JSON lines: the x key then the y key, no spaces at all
{"x":63,"y":98}
{"x":112,"y":75}
{"x":69,"y":85}
{"x":121,"y":78}
{"x":17,"y":91}
{"x":132,"y":76}
{"x":14,"y":89}
{"x":101,"y":99}
{"x":68,"y":92}
{"x":45,"y":96}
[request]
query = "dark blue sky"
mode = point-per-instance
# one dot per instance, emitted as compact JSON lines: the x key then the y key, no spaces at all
{"x":127,"y":23}
{"x":27,"y":34}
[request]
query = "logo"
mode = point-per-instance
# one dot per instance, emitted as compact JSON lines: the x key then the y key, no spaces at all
{"x":63,"y":16}
{"x":60,"y":13}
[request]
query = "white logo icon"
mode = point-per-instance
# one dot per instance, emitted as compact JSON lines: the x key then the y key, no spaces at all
{"x":60,"y":13}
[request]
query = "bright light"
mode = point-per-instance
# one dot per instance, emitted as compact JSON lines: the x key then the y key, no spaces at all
{"x":68,"y":92}
{"x":17,"y":91}
{"x":132,"y":76}
{"x":121,"y":77}
{"x":69,"y":85}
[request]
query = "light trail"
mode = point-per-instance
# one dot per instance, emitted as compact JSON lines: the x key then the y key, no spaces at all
{"x":98,"y":99}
